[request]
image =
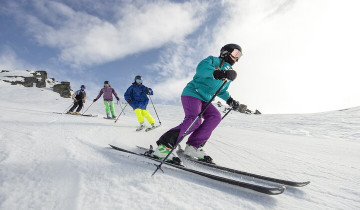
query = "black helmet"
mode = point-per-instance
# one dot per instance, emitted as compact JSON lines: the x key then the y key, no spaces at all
{"x":106,"y":82}
{"x":139,"y":78}
{"x":227,"y":50}
{"x":82,"y":86}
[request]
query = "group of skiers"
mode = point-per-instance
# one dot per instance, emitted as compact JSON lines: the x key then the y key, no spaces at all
{"x":135,"y":96}
{"x":212,"y":73}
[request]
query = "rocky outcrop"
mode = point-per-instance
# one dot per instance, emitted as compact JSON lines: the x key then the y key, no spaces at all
{"x":41,"y":77}
{"x":36,"y":78}
{"x":63,"y":89}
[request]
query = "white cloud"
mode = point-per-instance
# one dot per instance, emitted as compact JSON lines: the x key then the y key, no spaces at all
{"x":10,"y":61}
{"x":299,"y":56}
{"x":85,"y":40}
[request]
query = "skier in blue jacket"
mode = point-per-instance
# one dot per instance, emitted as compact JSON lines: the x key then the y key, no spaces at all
{"x":136,"y":96}
{"x":209,"y":76}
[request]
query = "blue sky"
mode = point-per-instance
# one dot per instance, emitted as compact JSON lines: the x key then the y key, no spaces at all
{"x":299,"y":56}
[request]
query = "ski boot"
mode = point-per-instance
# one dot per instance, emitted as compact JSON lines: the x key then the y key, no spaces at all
{"x":142,"y":126}
{"x":150,"y":128}
{"x":78,"y":113}
{"x":69,"y":112}
{"x":108,"y":116}
{"x":197,"y":153}
{"x":162,"y":151}
{"x":114,"y":117}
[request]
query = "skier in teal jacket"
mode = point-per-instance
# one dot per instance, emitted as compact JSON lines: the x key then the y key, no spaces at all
{"x":210,"y":74}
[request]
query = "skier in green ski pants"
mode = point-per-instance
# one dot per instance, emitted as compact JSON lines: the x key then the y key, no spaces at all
{"x":108,"y":91}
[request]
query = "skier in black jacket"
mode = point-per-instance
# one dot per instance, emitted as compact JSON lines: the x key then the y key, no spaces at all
{"x":79,"y":98}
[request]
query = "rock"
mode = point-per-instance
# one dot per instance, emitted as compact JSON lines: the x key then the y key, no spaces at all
{"x":29,"y":81}
{"x":41,"y":76}
{"x":63,"y":89}
{"x":257,"y":112}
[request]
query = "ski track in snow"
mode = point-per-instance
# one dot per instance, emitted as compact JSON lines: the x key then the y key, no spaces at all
{"x":54,"y":161}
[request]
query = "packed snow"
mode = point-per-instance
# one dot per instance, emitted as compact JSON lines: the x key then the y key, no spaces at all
{"x":54,"y":161}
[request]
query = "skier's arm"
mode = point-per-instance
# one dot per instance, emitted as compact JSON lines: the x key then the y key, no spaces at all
{"x":116,"y":96}
{"x":127,"y":94}
{"x":148,"y":91}
{"x":224,"y":94}
{"x":73,"y":96}
{"x":205,"y":68}
{"x":151,"y":92}
{"x":100,"y":93}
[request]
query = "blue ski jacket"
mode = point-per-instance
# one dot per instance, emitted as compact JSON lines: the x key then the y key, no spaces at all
{"x":137,"y":95}
{"x":204,"y":85}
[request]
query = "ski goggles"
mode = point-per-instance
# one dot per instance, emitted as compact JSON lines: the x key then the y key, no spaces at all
{"x":138,"y":81}
{"x":82,"y":88}
{"x":236,"y":54}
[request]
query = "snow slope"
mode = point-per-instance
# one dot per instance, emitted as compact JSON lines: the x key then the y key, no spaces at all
{"x":52,"y":161}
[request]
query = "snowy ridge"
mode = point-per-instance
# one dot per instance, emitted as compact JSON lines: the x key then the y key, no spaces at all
{"x":50,"y":161}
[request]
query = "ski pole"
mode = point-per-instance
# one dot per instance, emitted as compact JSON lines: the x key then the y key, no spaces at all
{"x":226,"y":114}
{"x":155,"y":110}
{"x":67,"y":109}
{"x":119,"y":102}
{"x":188,"y":129}
{"x":88,"y":108}
{"x":121,"y":112}
{"x":247,"y":110}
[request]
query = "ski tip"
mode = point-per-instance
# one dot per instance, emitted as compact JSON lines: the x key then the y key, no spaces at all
{"x":301,"y":184}
{"x":277,"y":190}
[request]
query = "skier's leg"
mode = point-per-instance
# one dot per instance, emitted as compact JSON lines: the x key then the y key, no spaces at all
{"x":112,"y":108}
{"x":80,"y":106}
{"x":107,"y":108}
{"x":148,"y":116}
{"x":73,"y":107}
{"x":139,"y":116}
{"x":192,"y":107}
{"x":212,"y":118}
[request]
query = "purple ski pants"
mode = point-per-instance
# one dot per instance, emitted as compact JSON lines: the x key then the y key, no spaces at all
{"x":201,"y":131}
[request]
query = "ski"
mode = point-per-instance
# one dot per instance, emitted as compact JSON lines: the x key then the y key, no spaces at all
{"x":180,"y":152}
{"x":254,"y":187}
{"x":152,"y":128}
{"x":85,"y":115}
{"x":109,"y":118}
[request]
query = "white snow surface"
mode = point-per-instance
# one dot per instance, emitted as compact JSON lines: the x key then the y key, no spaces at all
{"x":54,"y":161}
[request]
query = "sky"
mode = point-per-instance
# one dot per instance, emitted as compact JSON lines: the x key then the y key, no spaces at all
{"x":298,"y":56}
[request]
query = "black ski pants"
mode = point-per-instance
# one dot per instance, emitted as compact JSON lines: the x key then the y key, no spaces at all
{"x":77,"y":103}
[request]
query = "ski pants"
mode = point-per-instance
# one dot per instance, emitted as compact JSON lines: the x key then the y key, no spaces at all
{"x":141,"y":113}
{"x":109,"y":106}
{"x":77,"y":103}
{"x":200,"y":131}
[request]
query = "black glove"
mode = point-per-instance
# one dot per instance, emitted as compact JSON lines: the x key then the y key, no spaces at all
{"x":117,"y":98}
{"x":94,"y":100}
{"x":235,"y":105}
{"x":147,"y":91}
{"x":129,"y":101}
{"x":232,"y":103}
{"x":225,"y":74}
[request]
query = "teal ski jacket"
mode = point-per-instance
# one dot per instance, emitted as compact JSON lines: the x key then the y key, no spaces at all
{"x":204,"y":85}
